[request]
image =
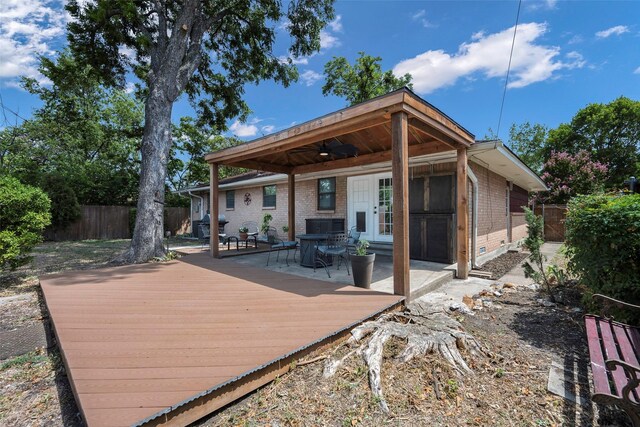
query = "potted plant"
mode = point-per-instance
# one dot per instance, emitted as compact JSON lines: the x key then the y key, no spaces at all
{"x":285,"y":229}
{"x":243,"y":233}
{"x":362,"y":265}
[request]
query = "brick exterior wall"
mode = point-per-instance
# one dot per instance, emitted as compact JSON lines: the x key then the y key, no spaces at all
{"x":492,"y":210}
{"x":492,"y":206}
{"x":306,"y":205}
{"x":518,"y":226}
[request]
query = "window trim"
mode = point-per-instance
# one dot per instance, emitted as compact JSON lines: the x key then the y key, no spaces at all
{"x":332,"y":207}
{"x":233,"y":199}
{"x":264,"y":196}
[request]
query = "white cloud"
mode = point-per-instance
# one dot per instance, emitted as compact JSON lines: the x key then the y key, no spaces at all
{"x":545,"y":4}
{"x":421,"y":17}
{"x":243,"y":129}
{"x":304,"y":60}
{"x":310,"y":77}
{"x":27,"y":29}
{"x":336,"y":24}
{"x":617,"y":30}
{"x":637,"y":71}
{"x":575,"y":39}
{"x":267,"y":128}
{"x":328,"y":40}
{"x":129,"y":87}
{"x":488,"y":54}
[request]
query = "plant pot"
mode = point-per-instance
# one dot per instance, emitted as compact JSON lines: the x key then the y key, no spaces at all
{"x":244,"y":236}
{"x":362,"y":267}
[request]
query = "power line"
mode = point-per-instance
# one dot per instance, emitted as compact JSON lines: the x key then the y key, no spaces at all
{"x":506,"y":81}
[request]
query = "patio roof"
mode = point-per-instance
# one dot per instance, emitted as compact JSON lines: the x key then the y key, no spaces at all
{"x":367,"y":126}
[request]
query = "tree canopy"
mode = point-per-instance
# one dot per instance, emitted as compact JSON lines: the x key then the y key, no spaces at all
{"x":606,"y":135}
{"x":206,"y":49}
{"x":361,"y":81}
{"x":610,"y":132}
{"x":85,"y":134}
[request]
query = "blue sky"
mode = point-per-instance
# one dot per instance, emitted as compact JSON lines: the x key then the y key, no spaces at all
{"x":567,"y":54}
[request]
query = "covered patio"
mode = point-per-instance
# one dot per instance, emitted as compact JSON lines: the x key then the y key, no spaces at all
{"x":389,"y":129}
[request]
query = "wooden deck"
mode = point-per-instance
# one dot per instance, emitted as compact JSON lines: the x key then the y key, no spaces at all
{"x":167,"y":343}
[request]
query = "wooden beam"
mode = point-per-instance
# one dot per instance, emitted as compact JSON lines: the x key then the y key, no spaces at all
{"x":292,"y":207}
{"x":214,"y":210}
{"x":367,"y":159}
{"x":435,"y":133}
{"x":462,"y":215}
{"x":261,"y":166}
{"x":417,"y":107}
{"x":400,"y":180}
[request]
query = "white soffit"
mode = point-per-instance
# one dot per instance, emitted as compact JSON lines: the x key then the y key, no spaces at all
{"x":499,"y":159}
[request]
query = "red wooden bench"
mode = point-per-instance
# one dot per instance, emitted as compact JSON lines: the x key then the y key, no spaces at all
{"x":614,"y":350}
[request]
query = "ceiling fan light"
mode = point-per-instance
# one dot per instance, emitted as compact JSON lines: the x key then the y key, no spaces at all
{"x":323,"y":152}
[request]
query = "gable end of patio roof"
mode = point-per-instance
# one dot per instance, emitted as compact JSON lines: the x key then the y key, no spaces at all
{"x":367,"y":126}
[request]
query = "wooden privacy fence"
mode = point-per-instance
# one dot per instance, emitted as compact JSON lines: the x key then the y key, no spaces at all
{"x":112,"y":222}
{"x":554,"y":218}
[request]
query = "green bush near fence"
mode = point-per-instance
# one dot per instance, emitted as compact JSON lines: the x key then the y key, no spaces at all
{"x":603,"y":244}
{"x":24,"y":213}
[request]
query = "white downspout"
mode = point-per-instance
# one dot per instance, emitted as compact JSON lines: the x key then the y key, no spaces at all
{"x":474,"y":217}
{"x":201,"y":204}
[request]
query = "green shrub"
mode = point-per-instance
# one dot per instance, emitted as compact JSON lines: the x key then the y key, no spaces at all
{"x":603,"y":244}
{"x":24,"y":213}
{"x":64,"y":204}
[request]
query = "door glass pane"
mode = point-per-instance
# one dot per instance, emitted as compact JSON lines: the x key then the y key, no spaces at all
{"x":361,"y":222}
{"x":385,"y":207}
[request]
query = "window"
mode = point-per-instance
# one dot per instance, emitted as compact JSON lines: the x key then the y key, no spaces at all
{"x":231,"y":199}
{"x":326,"y":194}
{"x":269,"y":196}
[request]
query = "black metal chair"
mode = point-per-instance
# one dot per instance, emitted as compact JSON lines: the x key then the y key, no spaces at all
{"x":205,"y":234}
{"x":335,"y":247}
{"x":352,"y":239}
{"x":277,"y":244}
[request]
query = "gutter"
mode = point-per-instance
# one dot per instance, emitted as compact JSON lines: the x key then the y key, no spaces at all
{"x":474,"y":216}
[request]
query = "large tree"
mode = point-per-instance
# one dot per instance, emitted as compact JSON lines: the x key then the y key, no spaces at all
{"x":208,"y":49}
{"x":528,"y":141}
{"x":361,"y":81}
{"x":609,"y":132}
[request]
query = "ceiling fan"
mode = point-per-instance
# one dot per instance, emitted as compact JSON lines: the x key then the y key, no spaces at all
{"x":333,"y":149}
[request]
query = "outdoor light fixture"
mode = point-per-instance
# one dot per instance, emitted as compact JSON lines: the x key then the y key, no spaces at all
{"x":323,"y":151}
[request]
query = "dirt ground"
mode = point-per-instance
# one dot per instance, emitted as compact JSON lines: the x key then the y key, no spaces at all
{"x":507,"y":389}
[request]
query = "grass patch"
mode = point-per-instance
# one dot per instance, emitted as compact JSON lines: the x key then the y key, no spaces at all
{"x":26,"y":359}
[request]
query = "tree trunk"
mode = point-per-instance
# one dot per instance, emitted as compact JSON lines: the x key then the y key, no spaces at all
{"x":147,"y":240}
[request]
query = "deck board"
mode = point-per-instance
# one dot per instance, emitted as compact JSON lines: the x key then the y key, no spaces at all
{"x":140,"y":339}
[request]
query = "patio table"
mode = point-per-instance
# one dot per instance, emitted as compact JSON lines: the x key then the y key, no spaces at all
{"x":308,"y":244}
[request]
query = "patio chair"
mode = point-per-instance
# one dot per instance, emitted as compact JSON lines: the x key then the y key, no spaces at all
{"x":278,"y":245}
{"x":352,"y":239}
{"x":205,"y":234}
{"x":334,"y":246}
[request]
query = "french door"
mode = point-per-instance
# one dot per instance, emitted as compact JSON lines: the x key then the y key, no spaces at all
{"x":370,"y":206}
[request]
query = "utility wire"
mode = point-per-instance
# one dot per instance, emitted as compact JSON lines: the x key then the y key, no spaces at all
{"x":506,"y":81}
